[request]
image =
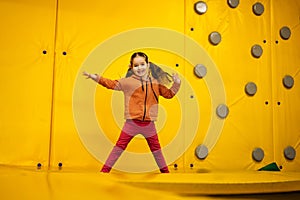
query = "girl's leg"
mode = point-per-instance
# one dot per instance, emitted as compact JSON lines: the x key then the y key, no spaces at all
{"x":118,"y":149}
{"x":157,"y":153}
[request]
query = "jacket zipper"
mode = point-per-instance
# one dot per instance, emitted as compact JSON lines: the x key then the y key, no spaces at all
{"x":145,"y":102}
{"x":153,"y":90}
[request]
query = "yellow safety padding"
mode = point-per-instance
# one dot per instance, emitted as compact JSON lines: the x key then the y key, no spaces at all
{"x":26,"y":70}
{"x":47,"y":45}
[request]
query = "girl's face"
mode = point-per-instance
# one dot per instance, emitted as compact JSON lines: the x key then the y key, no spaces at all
{"x":140,"y":67}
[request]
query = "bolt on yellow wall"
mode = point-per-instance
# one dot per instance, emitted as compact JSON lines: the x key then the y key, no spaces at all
{"x":47,"y":56}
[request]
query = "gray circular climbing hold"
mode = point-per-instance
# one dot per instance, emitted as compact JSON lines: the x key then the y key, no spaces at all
{"x":233,"y":3}
{"x":289,"y":153}
{"x":215,"y":38}
{"x":256,"y":51}
{"x":285,"y":33}
{"x":250,"y":88}
{"x":200,"y":7}
{"x":200,"y":70}
{"x":258,"y":9}
{"x":222,"y":111}
{"x":258,"y":154}
{"x":288,"y":81}
{"x":201,"y":152}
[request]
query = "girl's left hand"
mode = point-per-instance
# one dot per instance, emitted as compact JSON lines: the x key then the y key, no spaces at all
{"x":176,"y":78}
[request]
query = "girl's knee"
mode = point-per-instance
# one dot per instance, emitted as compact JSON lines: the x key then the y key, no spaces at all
{"x":121,"y":145}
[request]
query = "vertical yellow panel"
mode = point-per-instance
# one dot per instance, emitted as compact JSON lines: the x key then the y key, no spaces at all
{"x":82,"y":26}
{"x":286,"y":61}
{"x":27,"y":40}
{"x":249,"y":123}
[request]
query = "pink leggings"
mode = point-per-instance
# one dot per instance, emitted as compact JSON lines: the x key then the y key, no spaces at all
{"x":130,"y":129}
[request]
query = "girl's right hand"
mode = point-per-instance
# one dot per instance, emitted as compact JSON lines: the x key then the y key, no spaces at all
{"x":86,"y":74}
{"x":95,"y":77}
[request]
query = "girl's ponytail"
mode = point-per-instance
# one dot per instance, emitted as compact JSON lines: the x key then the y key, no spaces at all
{"x":159,"y":74}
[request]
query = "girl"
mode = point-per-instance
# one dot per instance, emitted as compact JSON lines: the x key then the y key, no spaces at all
{"x":143,"y":85}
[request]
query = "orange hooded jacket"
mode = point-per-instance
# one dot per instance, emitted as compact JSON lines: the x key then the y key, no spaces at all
{"x":141,"y":97}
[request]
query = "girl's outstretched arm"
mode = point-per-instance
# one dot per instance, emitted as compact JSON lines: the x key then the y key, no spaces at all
{"x":95,"y":77}
{"x":169,"y":93}
{"x":110,"y":84}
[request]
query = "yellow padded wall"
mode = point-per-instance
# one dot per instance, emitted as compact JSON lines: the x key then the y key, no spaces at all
{"x":27,"y":52}
{"x":286,"y":61}
{"x":249,"y":123}
{"x":47,"y":45}
{"x":268,"y":119}
{"x":81,"y":27}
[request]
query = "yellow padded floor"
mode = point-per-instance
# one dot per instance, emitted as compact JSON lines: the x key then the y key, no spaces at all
{"x":23,"y":183}
{"x":219,"y":183}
